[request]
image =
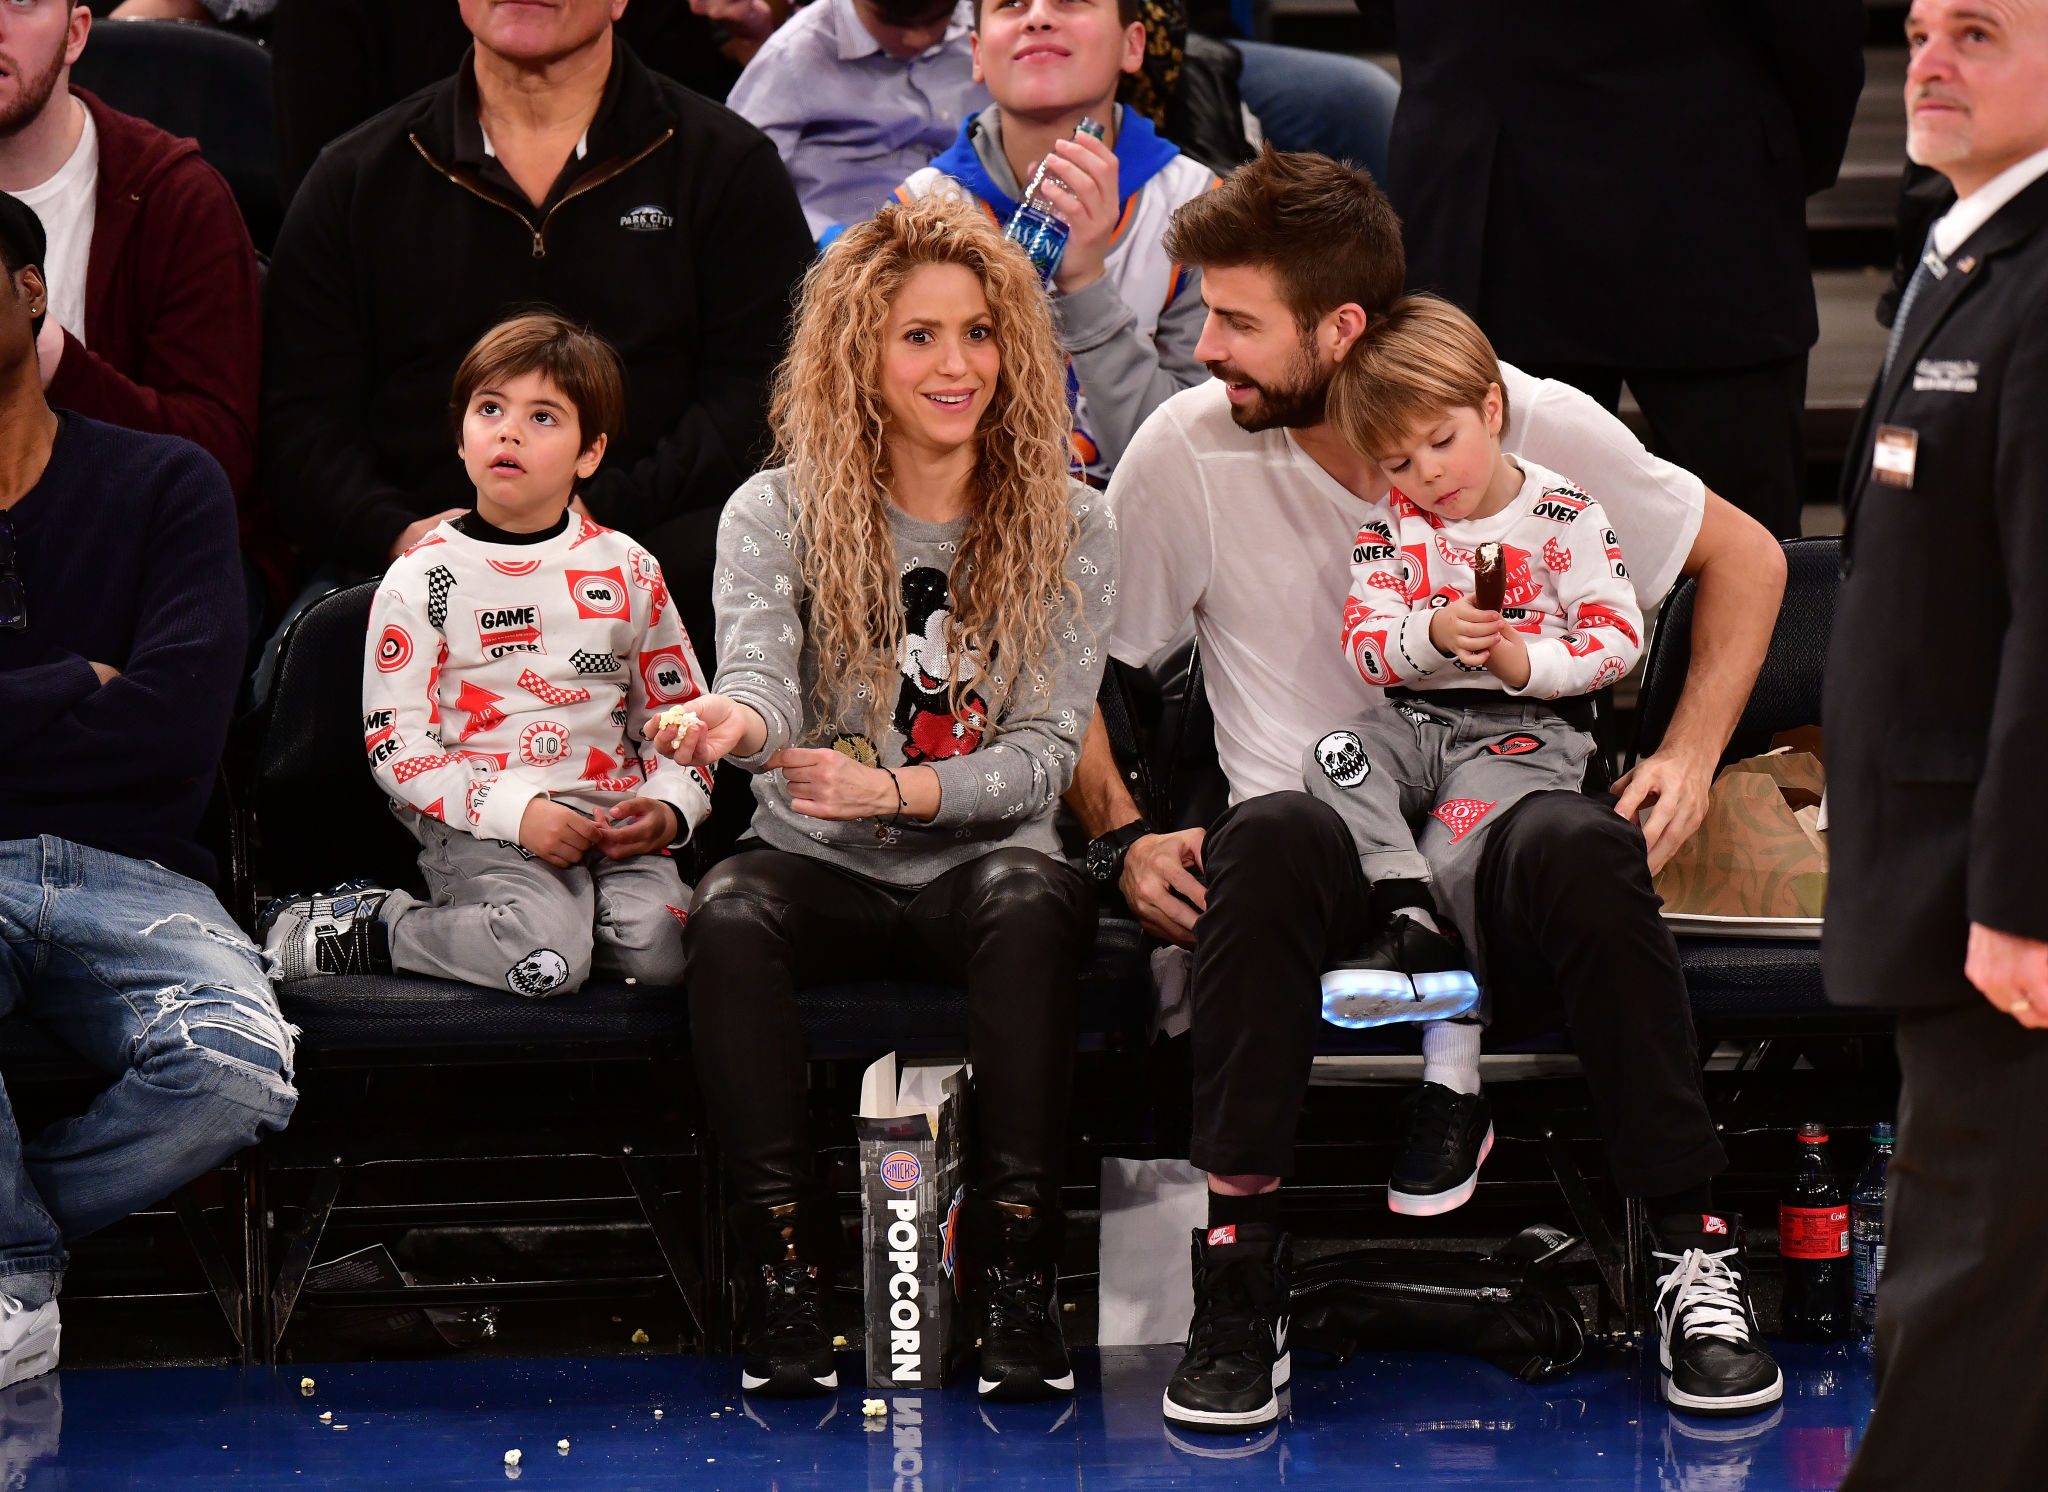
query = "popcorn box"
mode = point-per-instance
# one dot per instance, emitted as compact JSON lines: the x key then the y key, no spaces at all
{"x":910,"y":1158}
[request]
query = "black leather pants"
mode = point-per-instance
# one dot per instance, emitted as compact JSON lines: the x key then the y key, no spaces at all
{"x":1012,"y":926}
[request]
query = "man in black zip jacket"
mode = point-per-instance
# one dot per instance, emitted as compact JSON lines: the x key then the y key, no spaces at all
{"x":552,"y":168}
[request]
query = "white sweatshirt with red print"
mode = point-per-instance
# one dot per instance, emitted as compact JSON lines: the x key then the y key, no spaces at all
{"x":1567,"y":590}
{"x":499,"y":673}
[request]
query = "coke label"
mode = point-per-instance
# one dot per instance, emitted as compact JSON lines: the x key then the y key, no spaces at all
{"x":1813,"y":1232}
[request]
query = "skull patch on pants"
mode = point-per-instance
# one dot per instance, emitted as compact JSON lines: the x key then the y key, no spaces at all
{"x":1342,"y":756}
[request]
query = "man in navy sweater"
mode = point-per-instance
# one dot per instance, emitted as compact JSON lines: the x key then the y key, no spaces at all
{"x":122,"y":624}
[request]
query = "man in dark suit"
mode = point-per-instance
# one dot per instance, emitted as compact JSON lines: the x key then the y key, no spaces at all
{"x":1937,"y":731}
{"x":1617,"y":192}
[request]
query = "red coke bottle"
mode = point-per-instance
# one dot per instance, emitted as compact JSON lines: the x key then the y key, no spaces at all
{"x":1813,"y":1239}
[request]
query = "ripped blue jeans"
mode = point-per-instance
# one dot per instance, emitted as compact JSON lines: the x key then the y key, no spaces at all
{"x":142,"y":973}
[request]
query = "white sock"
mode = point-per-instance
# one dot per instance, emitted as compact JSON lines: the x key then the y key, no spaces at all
{"x":1420,"y":914}
{"x":1450,"y":1055}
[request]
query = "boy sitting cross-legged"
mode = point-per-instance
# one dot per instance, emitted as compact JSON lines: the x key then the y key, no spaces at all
{"x":1484,"y":702}
{"x":514,"y":655}
{"x":1126,"y":314}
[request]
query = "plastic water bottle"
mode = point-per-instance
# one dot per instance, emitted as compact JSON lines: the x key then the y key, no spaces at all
{"x":1037,"y":225}
{"x":1813,"y":1240}
{"x":1866,"y":1226}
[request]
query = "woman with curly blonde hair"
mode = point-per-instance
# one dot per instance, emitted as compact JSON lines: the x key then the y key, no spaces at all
{"x":911,"y":608}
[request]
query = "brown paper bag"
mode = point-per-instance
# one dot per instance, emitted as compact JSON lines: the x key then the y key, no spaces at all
{"x":1798,"y":774}
{"x":1752,"y":855}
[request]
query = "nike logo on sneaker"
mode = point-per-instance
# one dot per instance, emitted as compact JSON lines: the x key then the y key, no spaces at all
{"x":1226,"y":1234}
{"x":1710,"y":1224}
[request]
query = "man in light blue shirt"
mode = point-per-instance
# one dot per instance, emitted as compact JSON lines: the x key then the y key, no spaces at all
{"x":858,"y":94}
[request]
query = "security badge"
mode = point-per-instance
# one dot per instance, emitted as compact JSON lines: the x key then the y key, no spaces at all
{"x":1893,"y":454}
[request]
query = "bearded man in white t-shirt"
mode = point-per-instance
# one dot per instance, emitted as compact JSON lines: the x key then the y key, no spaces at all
{"x":1238,"y":505}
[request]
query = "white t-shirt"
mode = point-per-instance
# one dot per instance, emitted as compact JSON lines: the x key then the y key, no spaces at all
{"x":66,"y":203}
{"x":1246,"y":532}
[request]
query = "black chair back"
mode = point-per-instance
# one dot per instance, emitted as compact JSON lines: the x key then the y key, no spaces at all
{"x":1788,"y":690}
{"x":323,"y":817}
{"x":203,"y":83}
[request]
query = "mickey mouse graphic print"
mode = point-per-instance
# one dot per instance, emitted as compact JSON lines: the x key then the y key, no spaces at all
{"x":931,"y":726}
{"x":1003,"y":754}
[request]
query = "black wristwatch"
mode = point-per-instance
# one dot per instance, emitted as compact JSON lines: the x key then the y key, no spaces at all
{"x":1104,"y":861}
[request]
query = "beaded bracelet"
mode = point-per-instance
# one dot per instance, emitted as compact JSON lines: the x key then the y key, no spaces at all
{"x":896,"y":818}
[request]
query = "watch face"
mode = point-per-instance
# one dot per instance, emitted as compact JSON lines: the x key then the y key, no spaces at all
{"x":1101,"y":861}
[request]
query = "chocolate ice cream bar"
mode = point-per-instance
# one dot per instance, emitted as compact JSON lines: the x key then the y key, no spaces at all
{"x":1489,"y":577}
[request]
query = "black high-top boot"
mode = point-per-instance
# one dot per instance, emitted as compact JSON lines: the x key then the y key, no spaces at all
{"x":1236,"y":1360}
{"x":1023,"y":1355}
{"x":788,"y":1253}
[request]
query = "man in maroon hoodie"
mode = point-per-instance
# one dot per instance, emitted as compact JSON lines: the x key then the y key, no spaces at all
{"x":154,"y":303}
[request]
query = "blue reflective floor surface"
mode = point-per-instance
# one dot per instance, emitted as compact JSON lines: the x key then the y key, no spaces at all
{"x":1388,"y":1420}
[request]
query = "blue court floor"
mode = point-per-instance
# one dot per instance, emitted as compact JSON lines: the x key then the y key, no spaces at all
{"x":1382,"y":1421}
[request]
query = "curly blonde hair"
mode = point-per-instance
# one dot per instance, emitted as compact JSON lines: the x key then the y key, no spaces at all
{"x":829,"y":422}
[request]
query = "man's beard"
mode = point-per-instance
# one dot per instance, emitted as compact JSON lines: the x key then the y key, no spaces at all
{"x":1936,"y":147}
{"x":34,"y":92}
{"x":1298,"y":403}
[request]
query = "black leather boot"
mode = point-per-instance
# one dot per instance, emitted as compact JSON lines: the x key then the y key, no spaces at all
{"x":1023,"y":1354}
{"x":788,"y":1253}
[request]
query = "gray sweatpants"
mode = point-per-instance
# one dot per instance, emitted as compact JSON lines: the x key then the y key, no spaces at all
{"x":1420,"y":784}
{"x":504,"y":919}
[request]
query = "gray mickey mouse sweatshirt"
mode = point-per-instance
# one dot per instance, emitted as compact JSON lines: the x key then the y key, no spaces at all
{"x":1000,"y":779}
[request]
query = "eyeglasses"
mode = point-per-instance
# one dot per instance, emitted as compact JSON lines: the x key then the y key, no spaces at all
{"x":13,"y":599}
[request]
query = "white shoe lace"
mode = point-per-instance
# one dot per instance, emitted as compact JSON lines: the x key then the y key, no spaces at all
{"x":9,"y":1306}
{"x":1701,"y":1295}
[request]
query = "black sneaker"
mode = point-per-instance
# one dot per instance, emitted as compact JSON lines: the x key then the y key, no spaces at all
{"x":1236,"y":1358}
{"x":335,"y":932}
{"x":1450,"y":1134}
{"x":1405,"y":972}
{"x":1713,"y":1356}
{"x":1023,"y":1355}
{"x":789,"y":1347}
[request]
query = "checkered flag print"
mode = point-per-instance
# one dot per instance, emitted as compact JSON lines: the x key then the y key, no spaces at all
{"x":440,"y":581}
{"x":586,"y":662}
{"x":411,"y":766}
{"x":540,"y":688}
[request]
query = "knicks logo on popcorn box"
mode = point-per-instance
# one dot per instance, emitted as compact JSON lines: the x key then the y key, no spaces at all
{"x":666,"y":673}
{"x":900,"y":1171}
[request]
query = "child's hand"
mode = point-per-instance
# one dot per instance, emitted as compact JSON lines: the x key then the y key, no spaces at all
{"x":636,"y":826}
{"x":723,"y":727}
{"x":1508,"y":658}
{"x":1465,"y":632}
{"x":561,"y":836}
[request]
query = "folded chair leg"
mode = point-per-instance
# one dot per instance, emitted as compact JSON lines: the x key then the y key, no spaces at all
{"x":718,"y":1292}
{"x":213,"y":1259}
{"x":671,"y":1237}
{"x":255,"y":1259}
{"x":1591,"y":1225}
{"x":1636,"y":1273}
{"x":298,"y":1254}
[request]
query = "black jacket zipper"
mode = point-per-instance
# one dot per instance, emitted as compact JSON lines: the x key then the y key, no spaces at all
{"x":590,"y":182}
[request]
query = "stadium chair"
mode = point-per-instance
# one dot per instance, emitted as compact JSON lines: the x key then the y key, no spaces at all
{"x":321,"y":819}
{"x":595,"y":1076}
{"x":203,"y":83}
{"x":1752,"y":987}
